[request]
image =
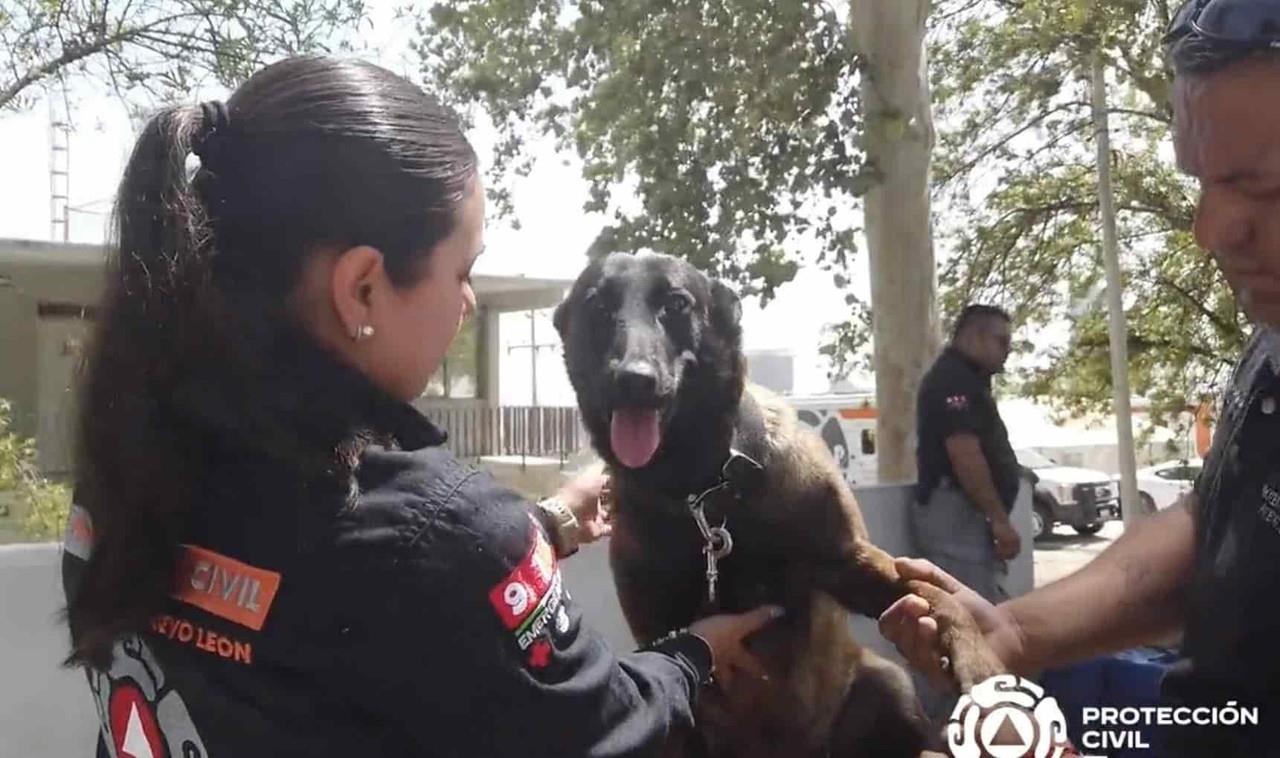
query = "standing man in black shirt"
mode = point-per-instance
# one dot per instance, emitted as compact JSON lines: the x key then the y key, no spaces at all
{"x":1210,"y":565}
{"x":968,"y":472}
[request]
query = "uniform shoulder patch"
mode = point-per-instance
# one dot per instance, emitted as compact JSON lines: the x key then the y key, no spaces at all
{"x":225,"y":587}
{"x":78,"y":540}
{"x":529,"y":599}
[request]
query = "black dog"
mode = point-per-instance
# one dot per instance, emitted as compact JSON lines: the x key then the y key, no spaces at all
{"x":653,"y":348}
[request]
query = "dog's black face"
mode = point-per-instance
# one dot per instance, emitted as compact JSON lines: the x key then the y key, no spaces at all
{"x":647,"y":338}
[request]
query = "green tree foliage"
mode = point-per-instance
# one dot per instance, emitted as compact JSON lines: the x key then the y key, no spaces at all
{"x":721,"y":132}
{"x":161,"y":47}
{"x":41,"y":504}
{"x":1016,"y":167}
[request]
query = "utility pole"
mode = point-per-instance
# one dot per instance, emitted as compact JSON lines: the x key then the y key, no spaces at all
{"x":59,"y":164}
{"x":533,"y":347}
{"x":1115,"y":302}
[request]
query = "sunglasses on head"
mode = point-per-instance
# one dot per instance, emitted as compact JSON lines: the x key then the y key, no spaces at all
{"x":1244,"y":23}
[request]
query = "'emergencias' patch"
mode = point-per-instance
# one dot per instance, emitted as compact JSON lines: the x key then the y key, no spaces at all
{"x":529,"y":599}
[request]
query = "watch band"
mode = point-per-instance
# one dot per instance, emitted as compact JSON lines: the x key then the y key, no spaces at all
{"x":566,"y":525}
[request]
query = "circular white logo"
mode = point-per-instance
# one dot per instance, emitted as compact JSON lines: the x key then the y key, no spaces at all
{"x":1007,"y":717}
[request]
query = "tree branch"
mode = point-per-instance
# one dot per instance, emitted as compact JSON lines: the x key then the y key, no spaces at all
{"x":1223,"y":327}
{"x":43,"y":71}
{"x":1008,"y":137}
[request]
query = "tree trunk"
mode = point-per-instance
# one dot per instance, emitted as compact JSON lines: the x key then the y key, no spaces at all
{"x":890,"y":34}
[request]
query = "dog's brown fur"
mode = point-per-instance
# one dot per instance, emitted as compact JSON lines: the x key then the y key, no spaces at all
{"x":805,"y":529}
{"x":799,"y":541}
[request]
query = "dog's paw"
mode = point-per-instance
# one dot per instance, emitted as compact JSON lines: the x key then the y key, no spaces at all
{"x":967,"y":658}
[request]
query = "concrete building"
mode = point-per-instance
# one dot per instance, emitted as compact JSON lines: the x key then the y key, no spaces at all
{"x":48,"y":297}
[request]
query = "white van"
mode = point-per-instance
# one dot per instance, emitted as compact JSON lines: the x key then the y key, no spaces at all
{"x":847,"y":423}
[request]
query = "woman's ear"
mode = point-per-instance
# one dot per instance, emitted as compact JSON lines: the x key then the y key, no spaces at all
{"x":357,"y":275}
{"x":726,"y":310}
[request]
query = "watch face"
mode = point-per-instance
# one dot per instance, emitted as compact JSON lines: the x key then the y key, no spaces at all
{"x":566,"y":523}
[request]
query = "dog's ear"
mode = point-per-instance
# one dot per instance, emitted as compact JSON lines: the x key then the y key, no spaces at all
{"x":726,"y":309}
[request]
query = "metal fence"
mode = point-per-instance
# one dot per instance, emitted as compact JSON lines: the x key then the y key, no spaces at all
{"x":524,"y":431}
{"x":474,"y":432}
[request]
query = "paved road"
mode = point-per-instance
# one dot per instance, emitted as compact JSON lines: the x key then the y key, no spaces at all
{"x":1067,"y":551}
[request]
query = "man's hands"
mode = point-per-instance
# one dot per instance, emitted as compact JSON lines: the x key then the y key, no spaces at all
{"x":978,"y":639}
{"x":974,"y":476}
{"x":1007,"y":542}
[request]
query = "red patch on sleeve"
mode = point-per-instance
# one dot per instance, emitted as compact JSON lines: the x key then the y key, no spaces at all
{"x":517,"y":597}
{"x":540,"y":655}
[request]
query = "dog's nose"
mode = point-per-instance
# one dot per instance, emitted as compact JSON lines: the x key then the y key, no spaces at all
{"x":636,"y":382}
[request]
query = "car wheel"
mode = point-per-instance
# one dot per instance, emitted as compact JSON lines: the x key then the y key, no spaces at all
{"x":1041,"y":522}
{"x":1148,"y":504}
{"x":1088,"y":529}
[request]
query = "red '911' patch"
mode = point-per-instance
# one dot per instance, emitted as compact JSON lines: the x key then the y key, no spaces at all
{"x":529,"y":599}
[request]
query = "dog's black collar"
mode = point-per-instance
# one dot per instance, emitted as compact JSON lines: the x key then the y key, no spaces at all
{"x":740,"y":475}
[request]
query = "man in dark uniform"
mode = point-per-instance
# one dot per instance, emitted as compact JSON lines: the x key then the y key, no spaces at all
{"x":1210,"y":565}
{"x":968,"y":472}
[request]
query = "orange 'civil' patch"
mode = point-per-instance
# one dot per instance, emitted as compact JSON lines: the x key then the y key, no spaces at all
{"x":857,"y":413}
{"x":225,"y":587}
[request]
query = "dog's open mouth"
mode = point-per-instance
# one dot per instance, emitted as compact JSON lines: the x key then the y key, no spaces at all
{"x":634,"y":435}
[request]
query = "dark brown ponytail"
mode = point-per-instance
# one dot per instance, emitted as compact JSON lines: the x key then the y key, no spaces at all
{"x":196,"y":351}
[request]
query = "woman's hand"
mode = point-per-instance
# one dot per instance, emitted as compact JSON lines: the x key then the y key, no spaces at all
{"x":725,"y":633}
{"x":587,"y":496}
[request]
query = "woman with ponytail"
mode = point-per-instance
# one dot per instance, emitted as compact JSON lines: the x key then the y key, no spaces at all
{"x":271,"y":552}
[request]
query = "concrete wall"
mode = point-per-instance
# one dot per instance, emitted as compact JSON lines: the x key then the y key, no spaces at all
{"x":37,"y":371}
{"x":18,"y":358}
{"x":47,"y":711}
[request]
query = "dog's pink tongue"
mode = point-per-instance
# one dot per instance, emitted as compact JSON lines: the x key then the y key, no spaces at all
{"x":634,"y":436}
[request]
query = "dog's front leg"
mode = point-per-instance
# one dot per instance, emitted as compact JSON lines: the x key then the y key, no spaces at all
{"x":827,"y":531}
{"x":862,"y":578}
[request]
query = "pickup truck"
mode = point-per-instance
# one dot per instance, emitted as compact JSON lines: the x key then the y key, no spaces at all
{"x":1081,"y":498}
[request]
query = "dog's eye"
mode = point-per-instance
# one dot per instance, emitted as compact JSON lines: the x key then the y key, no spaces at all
{"x":595,"y":302}
{"x":677,"y":303}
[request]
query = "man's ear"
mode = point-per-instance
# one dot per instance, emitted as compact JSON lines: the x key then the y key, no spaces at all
{"x":726,"y":310}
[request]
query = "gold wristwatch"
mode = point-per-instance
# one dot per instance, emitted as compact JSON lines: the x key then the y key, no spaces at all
{"x":566,"y":525}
